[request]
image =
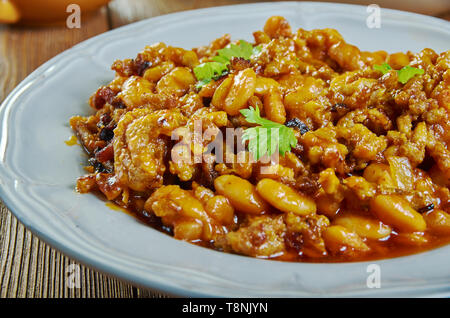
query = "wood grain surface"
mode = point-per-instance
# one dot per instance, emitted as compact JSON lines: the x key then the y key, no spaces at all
{"x":29,"y":267}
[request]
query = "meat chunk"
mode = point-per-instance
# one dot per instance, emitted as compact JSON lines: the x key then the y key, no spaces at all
{"x":190,"y":217}
{"x":140,"y":146}
{"x":304,"y":233}
{"x":263,"y":236}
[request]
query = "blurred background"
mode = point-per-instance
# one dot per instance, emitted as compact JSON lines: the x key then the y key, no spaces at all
{"x":32,"y":32}
{"x":45,"y":11}
{"x":138,"y":9}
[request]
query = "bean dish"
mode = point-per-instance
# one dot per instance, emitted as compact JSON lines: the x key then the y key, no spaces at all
{"x":297,"y":147}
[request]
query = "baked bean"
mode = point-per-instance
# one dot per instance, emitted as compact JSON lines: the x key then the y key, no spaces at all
{"x":396,"y":211}
{"x":255,"y":102}
{"x":188,"y":230}
{"x":176,"y":82}
{"x":329,"y":181}
{"x":438,"y":221}
{"x":234,"y":92}
{"x":220,"y":209}
{"x":277,"y":26}
{"x":221,"y":92}
{"x":285,"y":198}
{"x":326,"y":204}
{"x":261,"y":37}
{"x":273,"y":106}
{"x":155,"y":73}
{"x":241,"y":193}
{"x":398,"y":60}
{"x":412,"y":239}
{"x":364,"y":226}
{"x":133,"y":90}
{"x":339,"y":240}
{"x":264,"y":85}
{"x":180,"y":209}
{"x":189,"y":59}
{"x":378,"y":173}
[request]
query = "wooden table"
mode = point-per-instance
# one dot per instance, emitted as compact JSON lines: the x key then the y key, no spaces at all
{"x":29,"y":267}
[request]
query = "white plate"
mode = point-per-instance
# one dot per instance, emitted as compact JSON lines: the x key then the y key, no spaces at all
{"x":38,"y":171}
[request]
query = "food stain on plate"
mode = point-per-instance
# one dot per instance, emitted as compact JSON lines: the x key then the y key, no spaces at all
{"x":72,"y":141}
{"x":115,"y":207}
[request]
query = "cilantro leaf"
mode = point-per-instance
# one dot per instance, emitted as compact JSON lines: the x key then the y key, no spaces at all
{"x":408,"y":72}
{"x":244,"y":50}
{"x":383,"y":68}
{"x":205,"y":72}
{"x":208,"y":71}
{"x":268,"y":137}
{"x":404,"y":75}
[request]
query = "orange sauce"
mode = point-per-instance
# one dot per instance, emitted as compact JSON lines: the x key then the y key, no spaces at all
{"x":379,"y":250}
{"x":382,"y":249}
{"x":115,"y":207}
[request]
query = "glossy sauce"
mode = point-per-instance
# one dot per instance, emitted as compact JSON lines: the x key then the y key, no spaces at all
{"x":380,"y":249}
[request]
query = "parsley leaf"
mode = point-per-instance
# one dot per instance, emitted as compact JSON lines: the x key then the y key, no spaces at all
{"x":205,"y":72}
{"x":266,"y":138}
{"x":408,"y":72}
{"x":208,"y":71}
{"x":404,"y":75}
{"x":244,"y":50}
{"x":383,"y":68}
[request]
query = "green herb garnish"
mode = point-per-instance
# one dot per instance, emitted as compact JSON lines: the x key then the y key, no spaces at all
{"x":383,"y":68}
{"x":205,"y":72}
{"x":266,"y":138}
{"x":404,"y":74}
{"x":208,"y":71}
{"x":244,"y":50}
{"x":408,"y":72}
